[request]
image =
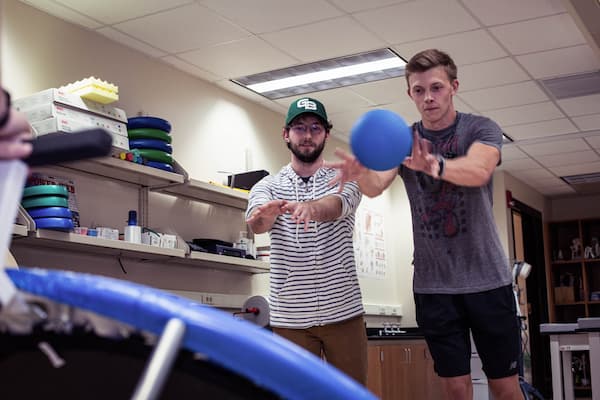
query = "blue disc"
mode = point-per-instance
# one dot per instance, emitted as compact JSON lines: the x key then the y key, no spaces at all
{"x":63,"y":224}
{"x":149,"y":122}
{"x":150,"y":144}
{"x":160,"y":165}
{"x":381,"y":140}
{"x":46,"y":212}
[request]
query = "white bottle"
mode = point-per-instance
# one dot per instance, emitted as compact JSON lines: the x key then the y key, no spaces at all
{"x":242,"y":242}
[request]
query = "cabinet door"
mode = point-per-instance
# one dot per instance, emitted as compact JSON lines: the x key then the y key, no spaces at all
{"x":394,"y":371}
{"x":435,"y":390}
{"x":417,"y":385}
{"x":374,"y":383}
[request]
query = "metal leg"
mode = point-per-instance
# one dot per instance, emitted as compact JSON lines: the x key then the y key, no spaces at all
{"x":164,"y":355}
{"x":568,"y":375}
{"x":557,"y":387}
{"x":594,"y":341}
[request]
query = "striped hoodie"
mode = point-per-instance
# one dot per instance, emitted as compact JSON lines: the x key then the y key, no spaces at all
{"x":313,"y":279}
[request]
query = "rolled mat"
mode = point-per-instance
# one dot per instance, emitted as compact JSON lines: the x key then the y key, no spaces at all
{"x":267,"y":359}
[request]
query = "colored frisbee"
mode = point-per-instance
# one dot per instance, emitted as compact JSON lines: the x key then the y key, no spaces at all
{"x":45,"y":201}
{"x":150,"y":144}
{"x":45,"y":190}
{"x":54,"y":223}
{"x":148,"y":133}
{"x":47,"y":212}
{"x":149,"y":122}
{"x":155,"y":155}
{"x":159,"y":165}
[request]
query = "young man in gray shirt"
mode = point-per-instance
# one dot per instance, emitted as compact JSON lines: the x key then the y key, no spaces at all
{"x":462,"y":281}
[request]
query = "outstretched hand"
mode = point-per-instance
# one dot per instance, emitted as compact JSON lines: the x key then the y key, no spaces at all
{"x":267,"y":212}
{"x":349,"y":169}
{"x":422,"y":158}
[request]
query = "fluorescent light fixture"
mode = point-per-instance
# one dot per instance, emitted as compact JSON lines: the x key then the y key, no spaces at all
{"x":327,"y":74}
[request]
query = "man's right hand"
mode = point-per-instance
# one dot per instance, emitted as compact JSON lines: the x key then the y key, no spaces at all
{"x":349,"y":169}
{"x":264,"y":216}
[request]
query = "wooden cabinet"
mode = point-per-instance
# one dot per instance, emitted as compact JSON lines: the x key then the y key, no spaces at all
{"x":402,"y":370}
{"x":573,"y":270}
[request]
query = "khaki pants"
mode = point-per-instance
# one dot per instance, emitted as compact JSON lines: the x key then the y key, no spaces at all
{"x":344,"y":345}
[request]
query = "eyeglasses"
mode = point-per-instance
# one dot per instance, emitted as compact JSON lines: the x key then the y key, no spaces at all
{"x":315,"y":129}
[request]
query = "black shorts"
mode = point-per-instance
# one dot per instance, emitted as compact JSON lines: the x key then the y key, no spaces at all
{"x":447,"y":320}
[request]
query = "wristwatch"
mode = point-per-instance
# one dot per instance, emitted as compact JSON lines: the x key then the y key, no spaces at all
{"x":6,"y":114}
{"x":442,"y":165}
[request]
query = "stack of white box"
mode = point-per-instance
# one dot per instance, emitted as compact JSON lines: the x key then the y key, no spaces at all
{"x":55,"y":110}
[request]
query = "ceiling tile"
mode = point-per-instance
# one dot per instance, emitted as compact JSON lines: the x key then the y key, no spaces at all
{"x":66,"y":13}
{"x":531,"y":174}
{"x":240,"y":91}
{"x":582,"y":105}
{"x":260,"y":16}
{"x":588,"y":122}
{"x":461,"y":106}
{"x":120,"y":37}
{"x":344,"y":121}
{"x":557,"y":160}
{"x":567,"y":170}
{"x":405,"y":22}
{"x":491,"y":73}
{"x":105,"y":10}
{"x":512,"y":152}
{"x":525,"y":114}
{"x":520,"y":164}
{"x":594,"y":141}
{"x":556,"y":190}
{"x":566,"y":61}
{"x":465,"y":47}
{"x":539,"y":34}
{"x":324,"y":40}
{"x":555,"y":147}
{"x":189,"y":68}
{"x":181,"y":29}
{"x":494,"y":12}
{"x":384,"y":91}
{"x":224,"y":59}
{"x":335,"y":100}
{"x":549,"y":182}
{"x":505,"y":96}
{"x":361,"y":5}
{"x":541,"y":129}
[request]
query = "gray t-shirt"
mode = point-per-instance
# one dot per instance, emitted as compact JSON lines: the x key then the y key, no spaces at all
{"x":457,"y":248}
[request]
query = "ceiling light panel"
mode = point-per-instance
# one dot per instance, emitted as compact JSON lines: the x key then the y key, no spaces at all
{"x":322,"y":75}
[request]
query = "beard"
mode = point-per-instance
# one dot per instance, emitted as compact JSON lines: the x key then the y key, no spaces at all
{"x":309,"y":157}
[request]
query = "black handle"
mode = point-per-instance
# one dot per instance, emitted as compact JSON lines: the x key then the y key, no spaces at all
{"x":60,"y":147}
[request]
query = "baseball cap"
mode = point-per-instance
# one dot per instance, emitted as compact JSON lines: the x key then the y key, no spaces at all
{"x":306,"y":105}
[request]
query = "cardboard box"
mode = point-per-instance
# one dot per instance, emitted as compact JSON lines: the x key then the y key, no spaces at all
{"x":564,"y":294}
{"x":61,"y":96}
{"x":53,"y":110}
{"x":70,"y":125}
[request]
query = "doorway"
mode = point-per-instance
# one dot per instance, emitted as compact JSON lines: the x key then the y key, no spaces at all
{"x":528,"y":246}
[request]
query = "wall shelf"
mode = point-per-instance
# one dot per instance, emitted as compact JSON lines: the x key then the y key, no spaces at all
{"x":126,"y":171}
{"x":203,"y":191}
{"x":19,"y":230}
{"x":209,"y":260}
{"x":95,"y":245}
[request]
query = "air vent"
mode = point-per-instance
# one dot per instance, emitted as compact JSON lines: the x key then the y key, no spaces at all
{"x":582,"y":178}
{"x":566,"y":87}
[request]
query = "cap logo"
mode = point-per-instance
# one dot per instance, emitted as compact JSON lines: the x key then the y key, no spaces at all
{"x":307,"y":104}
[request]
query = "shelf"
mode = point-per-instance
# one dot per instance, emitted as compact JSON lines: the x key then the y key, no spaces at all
{"x":126,"y":171}
{"x":203,"y":191}
{"x":209,"y":260}
{"x":19,"y":230}
{"x":92,"y":244}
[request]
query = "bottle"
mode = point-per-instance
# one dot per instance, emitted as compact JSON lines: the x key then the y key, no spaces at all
{"x":133,"y":232}
{"x":242,"y":242}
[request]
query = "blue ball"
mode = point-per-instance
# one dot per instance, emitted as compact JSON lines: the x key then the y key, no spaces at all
{"x":380,"y":140}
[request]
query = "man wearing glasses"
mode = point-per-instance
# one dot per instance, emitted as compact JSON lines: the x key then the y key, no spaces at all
{"x":315,"y":297}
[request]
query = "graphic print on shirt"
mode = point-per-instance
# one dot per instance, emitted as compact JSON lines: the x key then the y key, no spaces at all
{"x":442,"y":210}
